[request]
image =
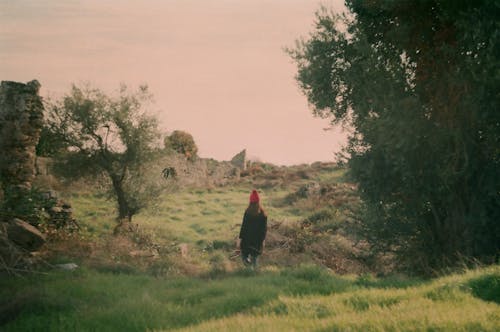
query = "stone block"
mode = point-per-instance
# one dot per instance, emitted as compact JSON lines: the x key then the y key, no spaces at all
{"x":25,"y":235}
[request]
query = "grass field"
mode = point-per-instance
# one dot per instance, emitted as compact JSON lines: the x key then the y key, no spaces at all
{"x":306,"y":298}
{"x":118,"y":288}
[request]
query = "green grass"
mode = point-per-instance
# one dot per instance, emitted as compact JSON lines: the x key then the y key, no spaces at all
{"x":188,"y":216}
{"x":94,"y":212}
{"x":307,"y":298}
{"x":126,"y":297}
{"x":334,"y":175}
{"x":206,"y":220}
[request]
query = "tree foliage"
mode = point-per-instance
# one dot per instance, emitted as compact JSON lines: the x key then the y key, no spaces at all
{"x":418,"y":82}
{"x":182,"y":142}
{"x":50,"y":144}
{"x":114,"y":135}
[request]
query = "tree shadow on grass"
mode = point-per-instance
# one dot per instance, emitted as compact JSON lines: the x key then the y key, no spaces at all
{"x":486,"y":287}
{"x":396,"y":281}
{"x":170,"y":303}
{"x":30,"y":301}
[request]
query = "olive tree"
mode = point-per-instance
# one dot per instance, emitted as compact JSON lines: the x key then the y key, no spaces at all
{"x":113,"y":135}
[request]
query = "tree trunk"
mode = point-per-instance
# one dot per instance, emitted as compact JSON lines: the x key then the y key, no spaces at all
{"x":123,"y":208}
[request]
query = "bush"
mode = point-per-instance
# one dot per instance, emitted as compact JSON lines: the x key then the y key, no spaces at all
{"x":486,"y":287}
{"x":323,"y":220}
{"x":25,"y":206}
{"x":183,"y":143}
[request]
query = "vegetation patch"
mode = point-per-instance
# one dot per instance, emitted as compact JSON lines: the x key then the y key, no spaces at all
{"x":486,"y":287}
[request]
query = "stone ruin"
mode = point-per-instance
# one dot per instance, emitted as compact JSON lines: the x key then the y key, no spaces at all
{"x":240,"y":160}
{"x":202,"y":171}
{"x":176,"y":168}
{"x":21,"y":122}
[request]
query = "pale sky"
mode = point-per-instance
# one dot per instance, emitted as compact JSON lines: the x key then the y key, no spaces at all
{"x":217,"y":68}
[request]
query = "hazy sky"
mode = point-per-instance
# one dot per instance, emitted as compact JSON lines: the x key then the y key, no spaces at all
{"x":217,"y":68}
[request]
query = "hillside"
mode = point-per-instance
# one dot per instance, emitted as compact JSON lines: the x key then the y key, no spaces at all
{"x":192,"y":231}
{"x":176,"y":268}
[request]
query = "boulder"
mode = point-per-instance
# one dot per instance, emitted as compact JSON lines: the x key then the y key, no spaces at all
{"x":67,"y":266}
{"x":56,"y":209}
{"x":49,"y":195}
{"x":145,"y":253}
{"x":183,"y":248}
{"x":25,"y":235}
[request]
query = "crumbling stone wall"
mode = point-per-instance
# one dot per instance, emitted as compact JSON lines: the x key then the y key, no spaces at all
{"x":21,"y":121}
{"x":240,"y":160}
{"x":200,"y":172}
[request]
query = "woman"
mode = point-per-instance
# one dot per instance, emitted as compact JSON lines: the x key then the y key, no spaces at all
{"x":253,"y":231}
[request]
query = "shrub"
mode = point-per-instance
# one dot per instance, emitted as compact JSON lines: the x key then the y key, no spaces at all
{"x":183,"y":143}
{"x":323,"y":220}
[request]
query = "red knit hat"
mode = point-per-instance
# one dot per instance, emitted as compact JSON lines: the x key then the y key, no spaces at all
{"x":254,"y":197}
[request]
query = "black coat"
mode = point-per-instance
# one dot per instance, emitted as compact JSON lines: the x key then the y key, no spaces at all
{"x":253,"y":232}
